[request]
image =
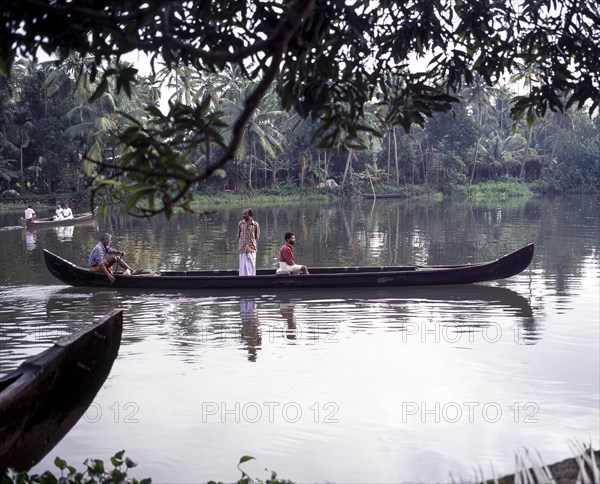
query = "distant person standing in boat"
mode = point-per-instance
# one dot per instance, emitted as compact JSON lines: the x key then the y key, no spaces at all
{"x":67,"y":212}
{"x":29,"y":214}
{"x":58,"y":213}
{"x":287,"y":264}
{"x":248,"y":235}
{"x":103,"y":257}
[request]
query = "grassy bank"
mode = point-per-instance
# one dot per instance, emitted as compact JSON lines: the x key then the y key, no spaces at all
{"x":492,"y":191}
{"x":499,"y":191}
{"x":259,"y":198}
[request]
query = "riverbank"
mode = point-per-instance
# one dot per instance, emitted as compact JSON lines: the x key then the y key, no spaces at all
{"x":281,"y":196}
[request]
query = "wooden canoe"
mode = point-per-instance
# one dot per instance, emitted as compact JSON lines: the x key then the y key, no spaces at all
{"x":320,"y":277}
{"x":49,"y":222}
{"x":44,"y":398}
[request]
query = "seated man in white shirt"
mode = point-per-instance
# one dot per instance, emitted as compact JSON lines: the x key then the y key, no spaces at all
{"x":67,"y":212}
{"x":58,"y":213}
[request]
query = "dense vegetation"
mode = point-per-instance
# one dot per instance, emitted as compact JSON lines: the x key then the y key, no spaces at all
{"x":49,"y":126}
{"x":392,"y":92}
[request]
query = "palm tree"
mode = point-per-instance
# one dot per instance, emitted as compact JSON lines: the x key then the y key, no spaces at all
{"x":262,"y":136}
{"x":501,"y":154}
{"x":478,"y":96}
{"x":527,"y":73}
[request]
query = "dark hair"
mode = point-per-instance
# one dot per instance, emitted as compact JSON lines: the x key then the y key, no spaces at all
{"x":250,"y":212}
{"x":288,"y":235}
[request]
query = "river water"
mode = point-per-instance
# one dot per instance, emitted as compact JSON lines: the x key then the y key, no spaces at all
{"x":365,"y":385}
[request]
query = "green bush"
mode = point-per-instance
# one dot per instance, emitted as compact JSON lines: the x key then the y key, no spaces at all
{"x":95,"y":472}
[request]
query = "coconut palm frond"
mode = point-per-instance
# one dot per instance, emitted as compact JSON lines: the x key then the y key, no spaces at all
{"x":589,"y":472}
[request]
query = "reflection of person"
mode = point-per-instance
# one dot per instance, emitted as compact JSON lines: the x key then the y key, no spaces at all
{"x":248,"y":235}
{"x":287,"y":311}
{"x":29,"y":214}
{"x":67,"y":212}
{"x":103,"y":257}
{"x":287,"y":264}
{"x":58,"y":213}
{"x":30,"y":240}
{"x":64,"y":233}
{"x":251,"y":334}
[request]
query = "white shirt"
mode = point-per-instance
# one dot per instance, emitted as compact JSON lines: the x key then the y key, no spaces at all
{"x":29,"y":212}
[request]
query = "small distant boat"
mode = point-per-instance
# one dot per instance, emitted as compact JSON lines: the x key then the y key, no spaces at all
{"x":50,"y":222}
{"x":44,"y":398}
{"x":372,"y":196}
{"x":319,"y":277}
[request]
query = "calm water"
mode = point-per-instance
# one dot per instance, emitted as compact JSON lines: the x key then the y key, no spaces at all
{"x":349,"y":386}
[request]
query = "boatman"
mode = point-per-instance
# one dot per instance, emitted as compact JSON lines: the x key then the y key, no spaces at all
{"x":287,"y":264}
{"x":248,"y":235}
{"x":103,"y":257}
{"x":29,"y":214}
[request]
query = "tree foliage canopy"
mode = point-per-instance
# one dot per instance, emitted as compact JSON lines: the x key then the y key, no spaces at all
{"x":329,"y":61}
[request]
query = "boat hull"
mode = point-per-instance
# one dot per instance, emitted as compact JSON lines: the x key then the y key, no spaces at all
{"x":47,"y":394}
{"x":323,"y":277}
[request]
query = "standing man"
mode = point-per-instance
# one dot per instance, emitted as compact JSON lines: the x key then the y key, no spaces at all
{"x":287,"y":264}
{"x":248,"y":235}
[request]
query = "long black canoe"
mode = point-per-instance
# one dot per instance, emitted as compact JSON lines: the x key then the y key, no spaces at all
{"x":319,"y":277}
{"x":50,"y":222}
{"x":44,"y":398}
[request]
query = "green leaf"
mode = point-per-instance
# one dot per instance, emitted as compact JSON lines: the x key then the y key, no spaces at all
{"x":136,"y":196}
{"x":60,"y":463}
{"x":246,"y":458}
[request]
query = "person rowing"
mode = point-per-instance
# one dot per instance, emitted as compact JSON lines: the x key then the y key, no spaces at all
{"x":103,"y":257}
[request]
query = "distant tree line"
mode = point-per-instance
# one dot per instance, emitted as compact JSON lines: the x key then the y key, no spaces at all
{"x":52,"y":139}
{"x":345,"y":73}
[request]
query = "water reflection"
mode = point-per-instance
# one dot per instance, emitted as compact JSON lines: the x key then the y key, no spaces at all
{"x":251,"y":332}
{"x":287,"y":312}
{"x":30,"y":239}
{"x":64,"y":233}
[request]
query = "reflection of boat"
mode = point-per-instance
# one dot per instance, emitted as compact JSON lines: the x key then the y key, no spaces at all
{"x":327,"y":277}
{"x":43,"y":399}
{"x":50,"y":222}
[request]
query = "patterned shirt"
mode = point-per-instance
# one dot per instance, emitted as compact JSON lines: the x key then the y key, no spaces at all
{"x":248,"y":234}
{"x":99,"y":253}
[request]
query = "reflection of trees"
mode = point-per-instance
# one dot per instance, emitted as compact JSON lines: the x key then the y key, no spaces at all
{"x":390,"y":233}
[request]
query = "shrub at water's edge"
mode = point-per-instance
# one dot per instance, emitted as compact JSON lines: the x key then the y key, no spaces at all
{"x":500,"y":190}
{"x":529,"y":469}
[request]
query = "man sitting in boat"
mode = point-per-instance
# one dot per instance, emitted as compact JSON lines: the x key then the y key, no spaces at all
{"x":103,"y":257}
{"x":67,"y":212}
{"x":58,"y":213}
{"x":287,"y":264}
{"x":29,"y":214}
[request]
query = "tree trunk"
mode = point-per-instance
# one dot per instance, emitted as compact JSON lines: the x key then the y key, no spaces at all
{"x":396,"y":159}
{"x":348,"y":161}
{"x":475,"y":159}
{"x":529,"y":134}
